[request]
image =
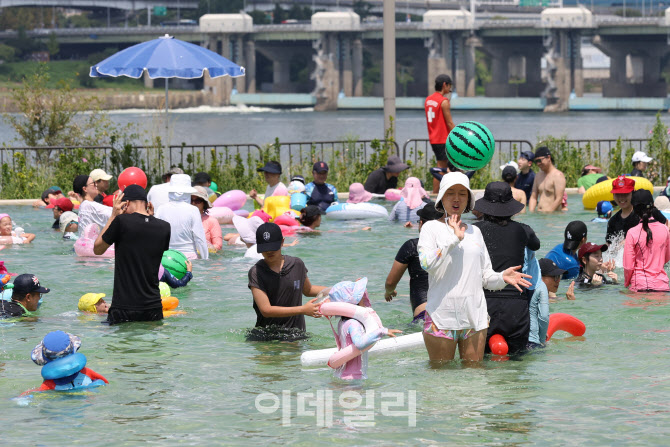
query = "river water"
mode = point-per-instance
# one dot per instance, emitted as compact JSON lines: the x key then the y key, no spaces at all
{"x":195,"y":380}
{"x":239,"y":125}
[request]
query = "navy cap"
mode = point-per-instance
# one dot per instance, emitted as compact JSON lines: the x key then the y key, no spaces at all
{"x":528,"y":155}
{"x":549,"y":268}
{"x":320,"y":166}
{"x":268,"y":237}
{"x":28,"y":283}
{"x":271,"y":167}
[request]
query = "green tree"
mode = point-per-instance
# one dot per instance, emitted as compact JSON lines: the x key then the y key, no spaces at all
{"x":362,"y":8}
{"x":52,"y":45}
{"x":259,"y":17}
{"x":278,"y":14}
{"x":6,"y":53}
{"x":54,"y":117}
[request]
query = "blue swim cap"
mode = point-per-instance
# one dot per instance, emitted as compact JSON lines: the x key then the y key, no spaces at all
{"x":603,"y":207}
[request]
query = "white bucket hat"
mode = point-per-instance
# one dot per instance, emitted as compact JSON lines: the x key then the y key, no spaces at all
{"x":181,"y":183}
{"x":449,"y":180}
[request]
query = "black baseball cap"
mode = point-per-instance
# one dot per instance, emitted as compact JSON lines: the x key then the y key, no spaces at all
{"x":134,"y":192}
{"x":268,"y":237}
{"x":574,"y":233}
{"x":320,"y":166}
{"x":79,"y":184}
{"x":271,"y":167}
{"x":549,"y":268}
{"x":542,"y":151}
{"x":201,"y":177}
{"x":509,"y":173}
{"x":27,"y":283}
{"x":428,"y":212}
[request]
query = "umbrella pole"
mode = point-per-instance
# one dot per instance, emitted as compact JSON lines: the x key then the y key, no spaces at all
{"x":166,"y":114}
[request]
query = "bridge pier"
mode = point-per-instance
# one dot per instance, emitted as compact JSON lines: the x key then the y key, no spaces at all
{"x":219,"y":89}
{"x":565,"y":69}
{"x":452,"y":53}
{"x":645,"y":57}
{"x":518,"y":61}
{"x":357,"y":66}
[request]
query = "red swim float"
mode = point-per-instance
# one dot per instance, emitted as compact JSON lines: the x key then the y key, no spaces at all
{"x":565,"y":322}
{"x":498,"y":345}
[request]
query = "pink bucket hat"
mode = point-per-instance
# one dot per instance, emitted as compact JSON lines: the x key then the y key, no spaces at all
{"x":413,"y":193}
{"x":358,"y":194}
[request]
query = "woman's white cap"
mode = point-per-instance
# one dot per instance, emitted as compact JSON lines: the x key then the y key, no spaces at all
{"x":181,"y":183}
{"x":449,"y":180}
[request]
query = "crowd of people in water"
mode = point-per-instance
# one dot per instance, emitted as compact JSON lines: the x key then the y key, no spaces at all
{"x":512,"y":298}
{"x":469,"y":279}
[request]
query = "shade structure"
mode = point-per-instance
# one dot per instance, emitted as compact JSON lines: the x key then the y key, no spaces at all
{"x":166,"y":57}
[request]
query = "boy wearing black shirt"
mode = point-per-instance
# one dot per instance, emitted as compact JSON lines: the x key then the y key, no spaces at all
{"x":278,"y":282}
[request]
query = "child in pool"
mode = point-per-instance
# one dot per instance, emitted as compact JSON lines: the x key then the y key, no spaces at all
{"x":57,"y":345}
{"x":592,"y":267}
{"x":7,"y":236}
{"x":604,"y":210}
{"x":66,"y":220}
{"x":351,"y":331}
{"x":93,"y":302}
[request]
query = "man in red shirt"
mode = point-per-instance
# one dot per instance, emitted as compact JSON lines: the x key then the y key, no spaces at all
{"x":438,"y":118}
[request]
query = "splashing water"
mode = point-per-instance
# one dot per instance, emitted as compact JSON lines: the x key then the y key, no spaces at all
{"x":615,"y":251}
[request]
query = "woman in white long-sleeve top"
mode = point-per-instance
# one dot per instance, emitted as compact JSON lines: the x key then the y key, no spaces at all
{"x":459,"y":268}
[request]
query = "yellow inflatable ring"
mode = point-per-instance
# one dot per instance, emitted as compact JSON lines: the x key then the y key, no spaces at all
{"x":601,"y":191}
{"x":277,"y":205}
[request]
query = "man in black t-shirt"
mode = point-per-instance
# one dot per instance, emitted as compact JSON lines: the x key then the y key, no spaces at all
{"x":278,"y":282}
{"x":526,"y":177}
{"x":140,"y":240}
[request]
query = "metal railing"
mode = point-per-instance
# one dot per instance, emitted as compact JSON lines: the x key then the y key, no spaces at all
{"x":602,"y":148}
{"x":419,"y":151}
{"x":189,"y":157}
{"x":344,"y":151}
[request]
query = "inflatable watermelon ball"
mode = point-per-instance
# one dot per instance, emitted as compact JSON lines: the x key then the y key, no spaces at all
{"x":470,"y":146}
{"x":174,"y":262}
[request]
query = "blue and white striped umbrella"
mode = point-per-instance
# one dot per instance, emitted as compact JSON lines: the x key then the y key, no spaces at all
{"x":166,"y":57}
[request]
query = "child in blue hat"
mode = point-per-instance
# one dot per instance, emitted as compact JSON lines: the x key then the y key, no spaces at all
{"x":63,"y":368}
{"x":604,"y":210}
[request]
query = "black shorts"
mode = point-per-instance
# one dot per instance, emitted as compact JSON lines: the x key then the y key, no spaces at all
{"x":440,"y":151}
{"x":116,"y":316}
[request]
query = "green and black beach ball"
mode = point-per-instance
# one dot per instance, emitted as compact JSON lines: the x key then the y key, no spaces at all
{"x":470,"y":146}
{"x":174,"y":262}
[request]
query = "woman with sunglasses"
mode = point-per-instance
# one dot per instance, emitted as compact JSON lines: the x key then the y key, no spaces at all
{"x":90,"y":211}
{"x":210,"y":224}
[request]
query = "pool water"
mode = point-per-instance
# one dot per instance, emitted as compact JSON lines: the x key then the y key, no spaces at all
{"x":195,"y":380}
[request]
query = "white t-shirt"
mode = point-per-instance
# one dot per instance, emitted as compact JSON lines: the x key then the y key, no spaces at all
{"x":458,"y":272}
{"x":271,"y":189}
{"x":187,"y":233}
{"x":93,"y":213}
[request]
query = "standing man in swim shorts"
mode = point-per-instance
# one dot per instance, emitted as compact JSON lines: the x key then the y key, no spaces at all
{"x":438,"y":119}
{"x":549,"y":184}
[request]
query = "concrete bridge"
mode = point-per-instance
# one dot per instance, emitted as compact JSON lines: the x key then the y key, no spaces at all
{"x":333,"y":45}
{"x":128,"y":5}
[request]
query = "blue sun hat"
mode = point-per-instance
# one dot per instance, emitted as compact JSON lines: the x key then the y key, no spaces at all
{"x":350,"y":292}
{"x":55,"y":345}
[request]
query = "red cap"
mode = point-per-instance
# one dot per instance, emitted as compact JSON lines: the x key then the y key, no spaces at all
{"x":589,"y":248}
{"x":622,"y":185}
{"x":64,"y":204}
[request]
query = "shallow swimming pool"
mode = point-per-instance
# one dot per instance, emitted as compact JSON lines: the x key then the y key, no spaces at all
{"x":195,"y":380}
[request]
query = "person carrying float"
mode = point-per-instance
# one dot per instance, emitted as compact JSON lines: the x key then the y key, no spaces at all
{"x":358,"y":330}
{"x":63,"y":368}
